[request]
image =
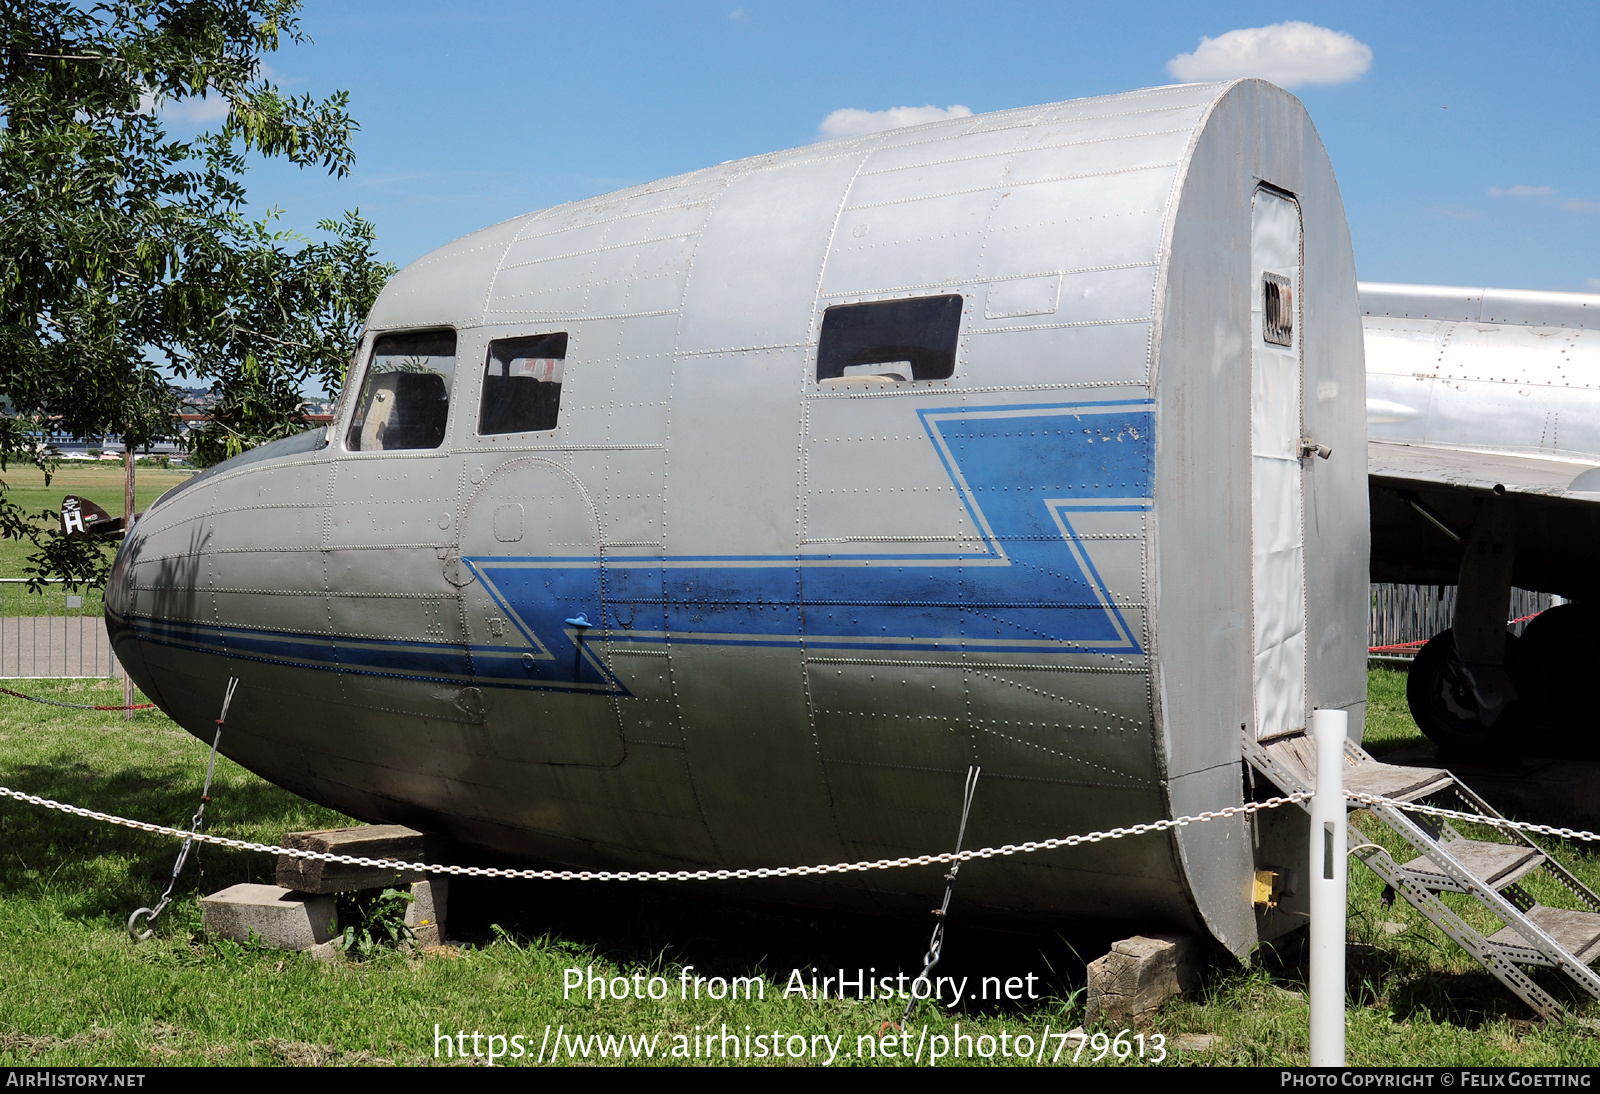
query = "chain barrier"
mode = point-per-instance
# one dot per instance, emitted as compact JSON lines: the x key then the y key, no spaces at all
{"x":1399,"y":647}
{"x":1475,"y":818}
{"x":73,"y":706}
{"x":661,"y":875}
{"x":149,"y":914}
{"x":1413,"y":647}
{"x":948,"y":857}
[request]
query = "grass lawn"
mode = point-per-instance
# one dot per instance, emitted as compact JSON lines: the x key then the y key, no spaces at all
{"x":78,"y":992}
{"x":101,"y":483}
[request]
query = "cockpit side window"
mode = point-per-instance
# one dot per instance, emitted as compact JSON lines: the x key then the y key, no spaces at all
{"x":405,"y":397}
{"x":522,"y":384}
{"x":890,"y":340}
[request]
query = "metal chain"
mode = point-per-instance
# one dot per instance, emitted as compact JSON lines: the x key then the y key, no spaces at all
{"x":788,"y":871}
{"x":936,"y":943}
{"x":663,"y":875}
{"x":149,"y":914}
{"x":1475,"y":818}
{"x":73,"y":706}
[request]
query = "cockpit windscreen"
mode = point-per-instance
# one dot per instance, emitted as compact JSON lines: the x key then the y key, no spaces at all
{"x":405,"y":397}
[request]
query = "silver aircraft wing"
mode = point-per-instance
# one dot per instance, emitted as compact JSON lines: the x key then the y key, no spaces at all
{"x":1397,"y":464}
{"x":1483,"y":397}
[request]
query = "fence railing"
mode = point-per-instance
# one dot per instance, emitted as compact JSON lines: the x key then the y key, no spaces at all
{"x":1415,"y":613}
{"x":50,"y":632}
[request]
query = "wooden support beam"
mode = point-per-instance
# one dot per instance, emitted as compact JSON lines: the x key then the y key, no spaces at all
{"x":393,"y":841}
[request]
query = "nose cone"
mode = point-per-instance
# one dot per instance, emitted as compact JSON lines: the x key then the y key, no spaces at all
{"x":205,"y":565}
{"x":120,"y":603}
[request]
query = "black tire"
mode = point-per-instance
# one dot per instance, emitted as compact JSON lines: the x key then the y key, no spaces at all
{"x":1561,"y":654}
{"x":1442,"y":701}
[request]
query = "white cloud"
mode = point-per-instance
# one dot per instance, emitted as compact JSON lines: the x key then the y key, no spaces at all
{"x":1546,"y":195}
{"x":1288,"y":54}
{"x":213,"y":108}
{"x":1593,"y":284}
{"x":1522,"y":191}
{"x":850,"y":122}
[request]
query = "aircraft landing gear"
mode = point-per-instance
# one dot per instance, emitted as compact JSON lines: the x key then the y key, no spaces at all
{"x":1462,"y":688}
{"x":1464,"y":706}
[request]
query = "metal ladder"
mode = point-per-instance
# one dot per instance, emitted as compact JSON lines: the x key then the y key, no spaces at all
{"x":1489,"y":871}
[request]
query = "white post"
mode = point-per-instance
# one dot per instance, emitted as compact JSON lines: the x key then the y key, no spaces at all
{"x":1328,"y":896}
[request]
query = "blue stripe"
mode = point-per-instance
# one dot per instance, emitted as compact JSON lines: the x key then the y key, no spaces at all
{"x":1031,"y":588}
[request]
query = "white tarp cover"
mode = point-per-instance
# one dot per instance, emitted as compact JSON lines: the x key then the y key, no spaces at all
{"x":1277,"y":536}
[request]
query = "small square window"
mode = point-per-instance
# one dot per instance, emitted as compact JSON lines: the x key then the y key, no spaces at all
{"x":522,"y":384}
{"x":890,"y":340}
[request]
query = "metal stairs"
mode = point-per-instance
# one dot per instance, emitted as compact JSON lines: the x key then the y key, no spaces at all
{"x":1491,"y":870}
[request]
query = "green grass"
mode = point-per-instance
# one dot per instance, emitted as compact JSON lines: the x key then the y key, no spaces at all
{"x":1389,"y":724}
{"x":79,"y":993}
{"x":101,"y":483}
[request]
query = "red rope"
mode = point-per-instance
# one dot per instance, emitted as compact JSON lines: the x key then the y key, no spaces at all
{"x":1402,"y":647}
{"x":74,"y":706}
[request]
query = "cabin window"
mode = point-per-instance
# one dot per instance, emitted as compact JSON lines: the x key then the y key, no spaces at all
{"x":522,"y":384}
{"x":405,"y":397}
{"x":890,"y":340}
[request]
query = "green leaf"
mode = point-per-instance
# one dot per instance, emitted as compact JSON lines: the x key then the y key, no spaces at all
{"x":123,"y":251}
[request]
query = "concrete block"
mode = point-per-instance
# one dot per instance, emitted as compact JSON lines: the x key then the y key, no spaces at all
{"x":1130,"y":983}
{"x":280,"y":918}
{"x":425,"y":914}
{"x":393,"y":841}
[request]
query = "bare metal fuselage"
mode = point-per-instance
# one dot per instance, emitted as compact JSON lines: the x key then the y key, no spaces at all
{"x":731,"y":611}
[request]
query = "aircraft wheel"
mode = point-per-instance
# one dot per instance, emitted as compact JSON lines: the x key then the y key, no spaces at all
{"x":1442,"y":701}
{"x":1561,"y":655}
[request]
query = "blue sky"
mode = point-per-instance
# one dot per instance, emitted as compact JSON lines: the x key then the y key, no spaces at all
{"x":1468,"y":151}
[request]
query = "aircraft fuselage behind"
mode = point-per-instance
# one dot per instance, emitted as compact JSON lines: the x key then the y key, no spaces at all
{"x":1484,"y":411}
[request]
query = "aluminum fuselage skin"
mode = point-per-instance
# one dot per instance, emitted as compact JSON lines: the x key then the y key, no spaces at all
{"x":813,"y":606}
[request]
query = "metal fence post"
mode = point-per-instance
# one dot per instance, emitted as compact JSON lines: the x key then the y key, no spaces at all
{"x":1328,"y":890}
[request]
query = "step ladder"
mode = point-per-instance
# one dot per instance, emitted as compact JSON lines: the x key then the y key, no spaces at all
{"x":1490,"y":871}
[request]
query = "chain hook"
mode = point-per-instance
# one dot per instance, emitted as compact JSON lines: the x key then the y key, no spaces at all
{"x":149,"y":914}
{"x":936,"y":942}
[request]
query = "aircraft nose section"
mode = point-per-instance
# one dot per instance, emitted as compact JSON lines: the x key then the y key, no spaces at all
{"x":120,"y":601}
{"x":119,"y":590}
